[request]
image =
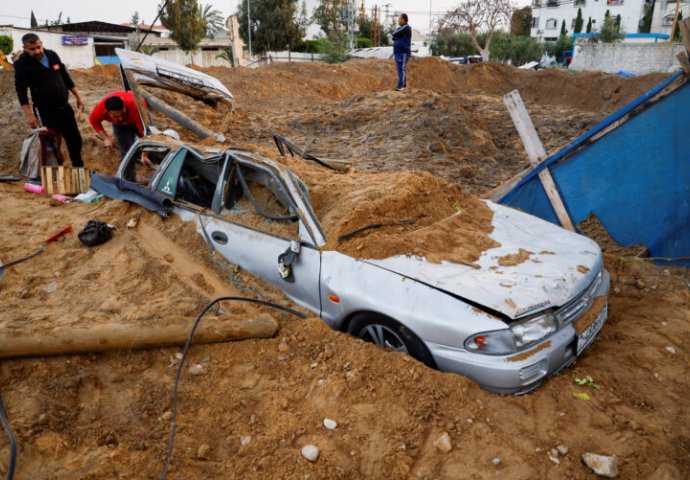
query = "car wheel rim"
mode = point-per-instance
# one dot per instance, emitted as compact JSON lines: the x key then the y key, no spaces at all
{"x":383,"y":337}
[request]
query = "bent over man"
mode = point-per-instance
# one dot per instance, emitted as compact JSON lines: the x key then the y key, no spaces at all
{"x":42,"y":72}
{"x":402,"y":44}
{"x":120,"y":109}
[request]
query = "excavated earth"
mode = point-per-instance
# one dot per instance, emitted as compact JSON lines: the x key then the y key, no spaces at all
{"x":258,"y":402}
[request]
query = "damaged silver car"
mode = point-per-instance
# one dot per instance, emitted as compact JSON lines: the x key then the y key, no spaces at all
{"x":508,"y":329}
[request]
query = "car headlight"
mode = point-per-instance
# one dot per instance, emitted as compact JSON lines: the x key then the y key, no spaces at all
{"x":533,"y":329}
{"x":497,"y":342}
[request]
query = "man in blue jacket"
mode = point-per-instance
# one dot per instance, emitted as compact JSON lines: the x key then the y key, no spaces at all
{"x":402,"y":41}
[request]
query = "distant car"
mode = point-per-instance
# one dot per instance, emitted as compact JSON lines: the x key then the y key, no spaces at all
{"x":508,"y":329}
{"x":466,"y":60}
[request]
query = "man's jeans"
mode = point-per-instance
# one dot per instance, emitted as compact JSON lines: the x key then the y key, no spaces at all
{"x":126,"y":136}
{"x":401,"y":60}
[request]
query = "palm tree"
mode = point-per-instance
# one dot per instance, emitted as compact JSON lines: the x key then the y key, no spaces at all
{"x":227,"y":56}
{"x":213,"y":19}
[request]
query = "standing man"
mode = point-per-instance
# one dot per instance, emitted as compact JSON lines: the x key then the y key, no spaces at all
{"x":43,"y":73}
{"x":120,"y":109}
{"x":402,"y":42}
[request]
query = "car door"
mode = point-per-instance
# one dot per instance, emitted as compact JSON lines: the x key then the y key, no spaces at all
{"x":276,"y":250}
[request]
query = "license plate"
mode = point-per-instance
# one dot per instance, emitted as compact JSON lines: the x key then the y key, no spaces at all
{"x":587,"y":337}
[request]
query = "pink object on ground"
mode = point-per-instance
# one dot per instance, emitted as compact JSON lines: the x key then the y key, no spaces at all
{"x":37,"y":189}
{"x":60,"y":198}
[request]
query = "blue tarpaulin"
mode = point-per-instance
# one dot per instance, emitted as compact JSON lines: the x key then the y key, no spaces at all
{"x":634,"y":176}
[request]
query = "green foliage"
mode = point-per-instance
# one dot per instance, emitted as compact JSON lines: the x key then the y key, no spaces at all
{"x":274,"y":25}
{"x":366,"y":30}
{"x":333,"y":51}
{"x":363,"y":42}
{"x":618,"y":22}
{"x":313,"y":46}
{"x":213,"y":19}
{"x":34,"y":22}
{"x":327,"y":16}
{"x":610,"y":32}
{"x":183,"y":20}
{"x":135,"y":19}
{"x":677,"y":36}
{"x":6,"y":44}
{"x":518,"y":49}
{"x":564,"y":31}
{"x":227,"y":56}
{"x":589,"y":25}
{"x":579,"y":21}
{"x":521,"y":22}
{"x":646,"y":26}
{"x":557,"y":48}
{"x":147,"y":49}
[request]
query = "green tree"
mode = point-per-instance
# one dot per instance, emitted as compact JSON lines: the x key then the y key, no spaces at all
{"x":525,"y":49}
{"x":6,"y":44}
{"x":559,"y":47}
{"x":183,"y":20}
{"x":618,"y":22}
{"x":564,"y":31}
{"x":34,"y":23}
{"x":589,"y":25}
{"x":450,"y":44}
{"x":610,"y":32}
{"x":227,"y":56}
{"x":273,"y":27}
{"x":366,"y":30}
{"x":521,"y":22}
{"x":328,"y":16}
{"x":677,"y":36}
{"x":213,"y":19}
{"x":579,"y":21}
{"x":134,"y":19}
{"x":646,"y":26}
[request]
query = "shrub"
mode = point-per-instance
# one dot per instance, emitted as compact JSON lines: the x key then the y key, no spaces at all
{"x":6,"y":44}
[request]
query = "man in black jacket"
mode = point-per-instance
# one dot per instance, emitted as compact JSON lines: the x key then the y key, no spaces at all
{"x":43,"y":73}
{"x":402,"y":44}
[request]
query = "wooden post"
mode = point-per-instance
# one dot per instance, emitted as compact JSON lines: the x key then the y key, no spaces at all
{"x":537,"y":154}
{"x":118,"y":336}
{"x":675,"y":22}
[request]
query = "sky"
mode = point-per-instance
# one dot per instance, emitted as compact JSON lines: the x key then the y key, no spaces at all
{"x":119,"y":11}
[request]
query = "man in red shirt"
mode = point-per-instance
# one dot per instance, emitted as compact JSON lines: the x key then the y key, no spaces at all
{"x":120,"y":109}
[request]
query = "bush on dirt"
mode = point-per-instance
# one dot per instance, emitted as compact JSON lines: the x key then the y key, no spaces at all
{"x":6,"y":44}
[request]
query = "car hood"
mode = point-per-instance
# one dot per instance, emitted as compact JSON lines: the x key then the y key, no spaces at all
{"x":153,"y":71}
{"x":562,"y":266}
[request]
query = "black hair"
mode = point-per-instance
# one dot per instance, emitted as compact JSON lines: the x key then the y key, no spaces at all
{"x":29,"y":38}
{"x":114,"y":103}
{"x":404,"y":17}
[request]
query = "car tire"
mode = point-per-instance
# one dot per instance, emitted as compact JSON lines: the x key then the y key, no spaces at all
{"x":387,"y":333}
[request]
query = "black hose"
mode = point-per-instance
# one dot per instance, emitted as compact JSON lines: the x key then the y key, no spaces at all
{"x":13,"y":441}
{"x":187,"y":345}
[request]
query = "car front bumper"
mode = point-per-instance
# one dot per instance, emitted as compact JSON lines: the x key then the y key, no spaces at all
{"x":519,"y":373}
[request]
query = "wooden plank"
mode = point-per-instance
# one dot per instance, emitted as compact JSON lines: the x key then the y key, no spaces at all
{"x":684,"y":62}
{"x":537,"y":154}
{"x":49,"y":180}
{"x":61,"y":180}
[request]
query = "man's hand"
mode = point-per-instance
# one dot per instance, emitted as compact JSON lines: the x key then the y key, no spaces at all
{"x":108,"y":141}
{"x":145,"y":160}
{"x":80,"y":105}
{"x":31,"y":119}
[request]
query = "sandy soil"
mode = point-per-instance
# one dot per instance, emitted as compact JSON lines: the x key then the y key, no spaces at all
{"x":259,"y":401}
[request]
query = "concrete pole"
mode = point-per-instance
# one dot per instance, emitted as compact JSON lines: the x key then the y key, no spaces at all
{"x":249,"y":26}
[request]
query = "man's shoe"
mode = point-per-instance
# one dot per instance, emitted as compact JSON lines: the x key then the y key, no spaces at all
{"x":400,"y":89}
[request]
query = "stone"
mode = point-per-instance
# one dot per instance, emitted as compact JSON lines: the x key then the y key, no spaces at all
{"x":443,"y":444}
{"x":602,"y":465}
{"x":330,"y":424}
{"x":167,"y":416}
{"x":671,"y":350}
{"x":245,"y":440}
{"x":204,"y":452}
{"x":132,"y":223}
{"x":169,"y":257}
{"x":554,"y":458}
{"x":562,"y":449}
{"x":197,"y":369}
{"x":496,"y":462}
{"x":51,"y":287}
{"x":311,"y":452}
{"x":640,"y":284}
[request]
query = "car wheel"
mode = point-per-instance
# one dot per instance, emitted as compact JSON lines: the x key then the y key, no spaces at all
{"x":387,"y":333}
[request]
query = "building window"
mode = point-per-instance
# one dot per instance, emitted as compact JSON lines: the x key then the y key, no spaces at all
{"x":613,"y":3}
{"x":551,"y":24}
{"x":579,"y":3}
{"x":552,"y":3}
{"x":536,"y":3}
{"x":535,"y":22}
{"x":572,"y":24}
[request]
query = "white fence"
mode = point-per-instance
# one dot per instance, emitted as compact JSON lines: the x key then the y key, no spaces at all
{"x":639,"y":58}
{"x":279,"y":57}
{"x":200,"y":58}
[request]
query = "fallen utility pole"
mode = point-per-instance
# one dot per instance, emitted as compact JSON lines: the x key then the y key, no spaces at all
{"x":132,"y":336}
{"x":536,"y":153}
{"x":160,"y":106}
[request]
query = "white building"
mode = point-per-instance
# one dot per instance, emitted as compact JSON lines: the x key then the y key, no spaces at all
{"x":548,"y":15}
{"x":665,"y":12}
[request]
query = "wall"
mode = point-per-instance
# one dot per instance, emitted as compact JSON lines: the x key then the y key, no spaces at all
{"x":631,"y":11}
{"x":200,"y":58}
{"x":81,"y":56}
{"x":663,"y":8}
{"x":637,"y":58}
